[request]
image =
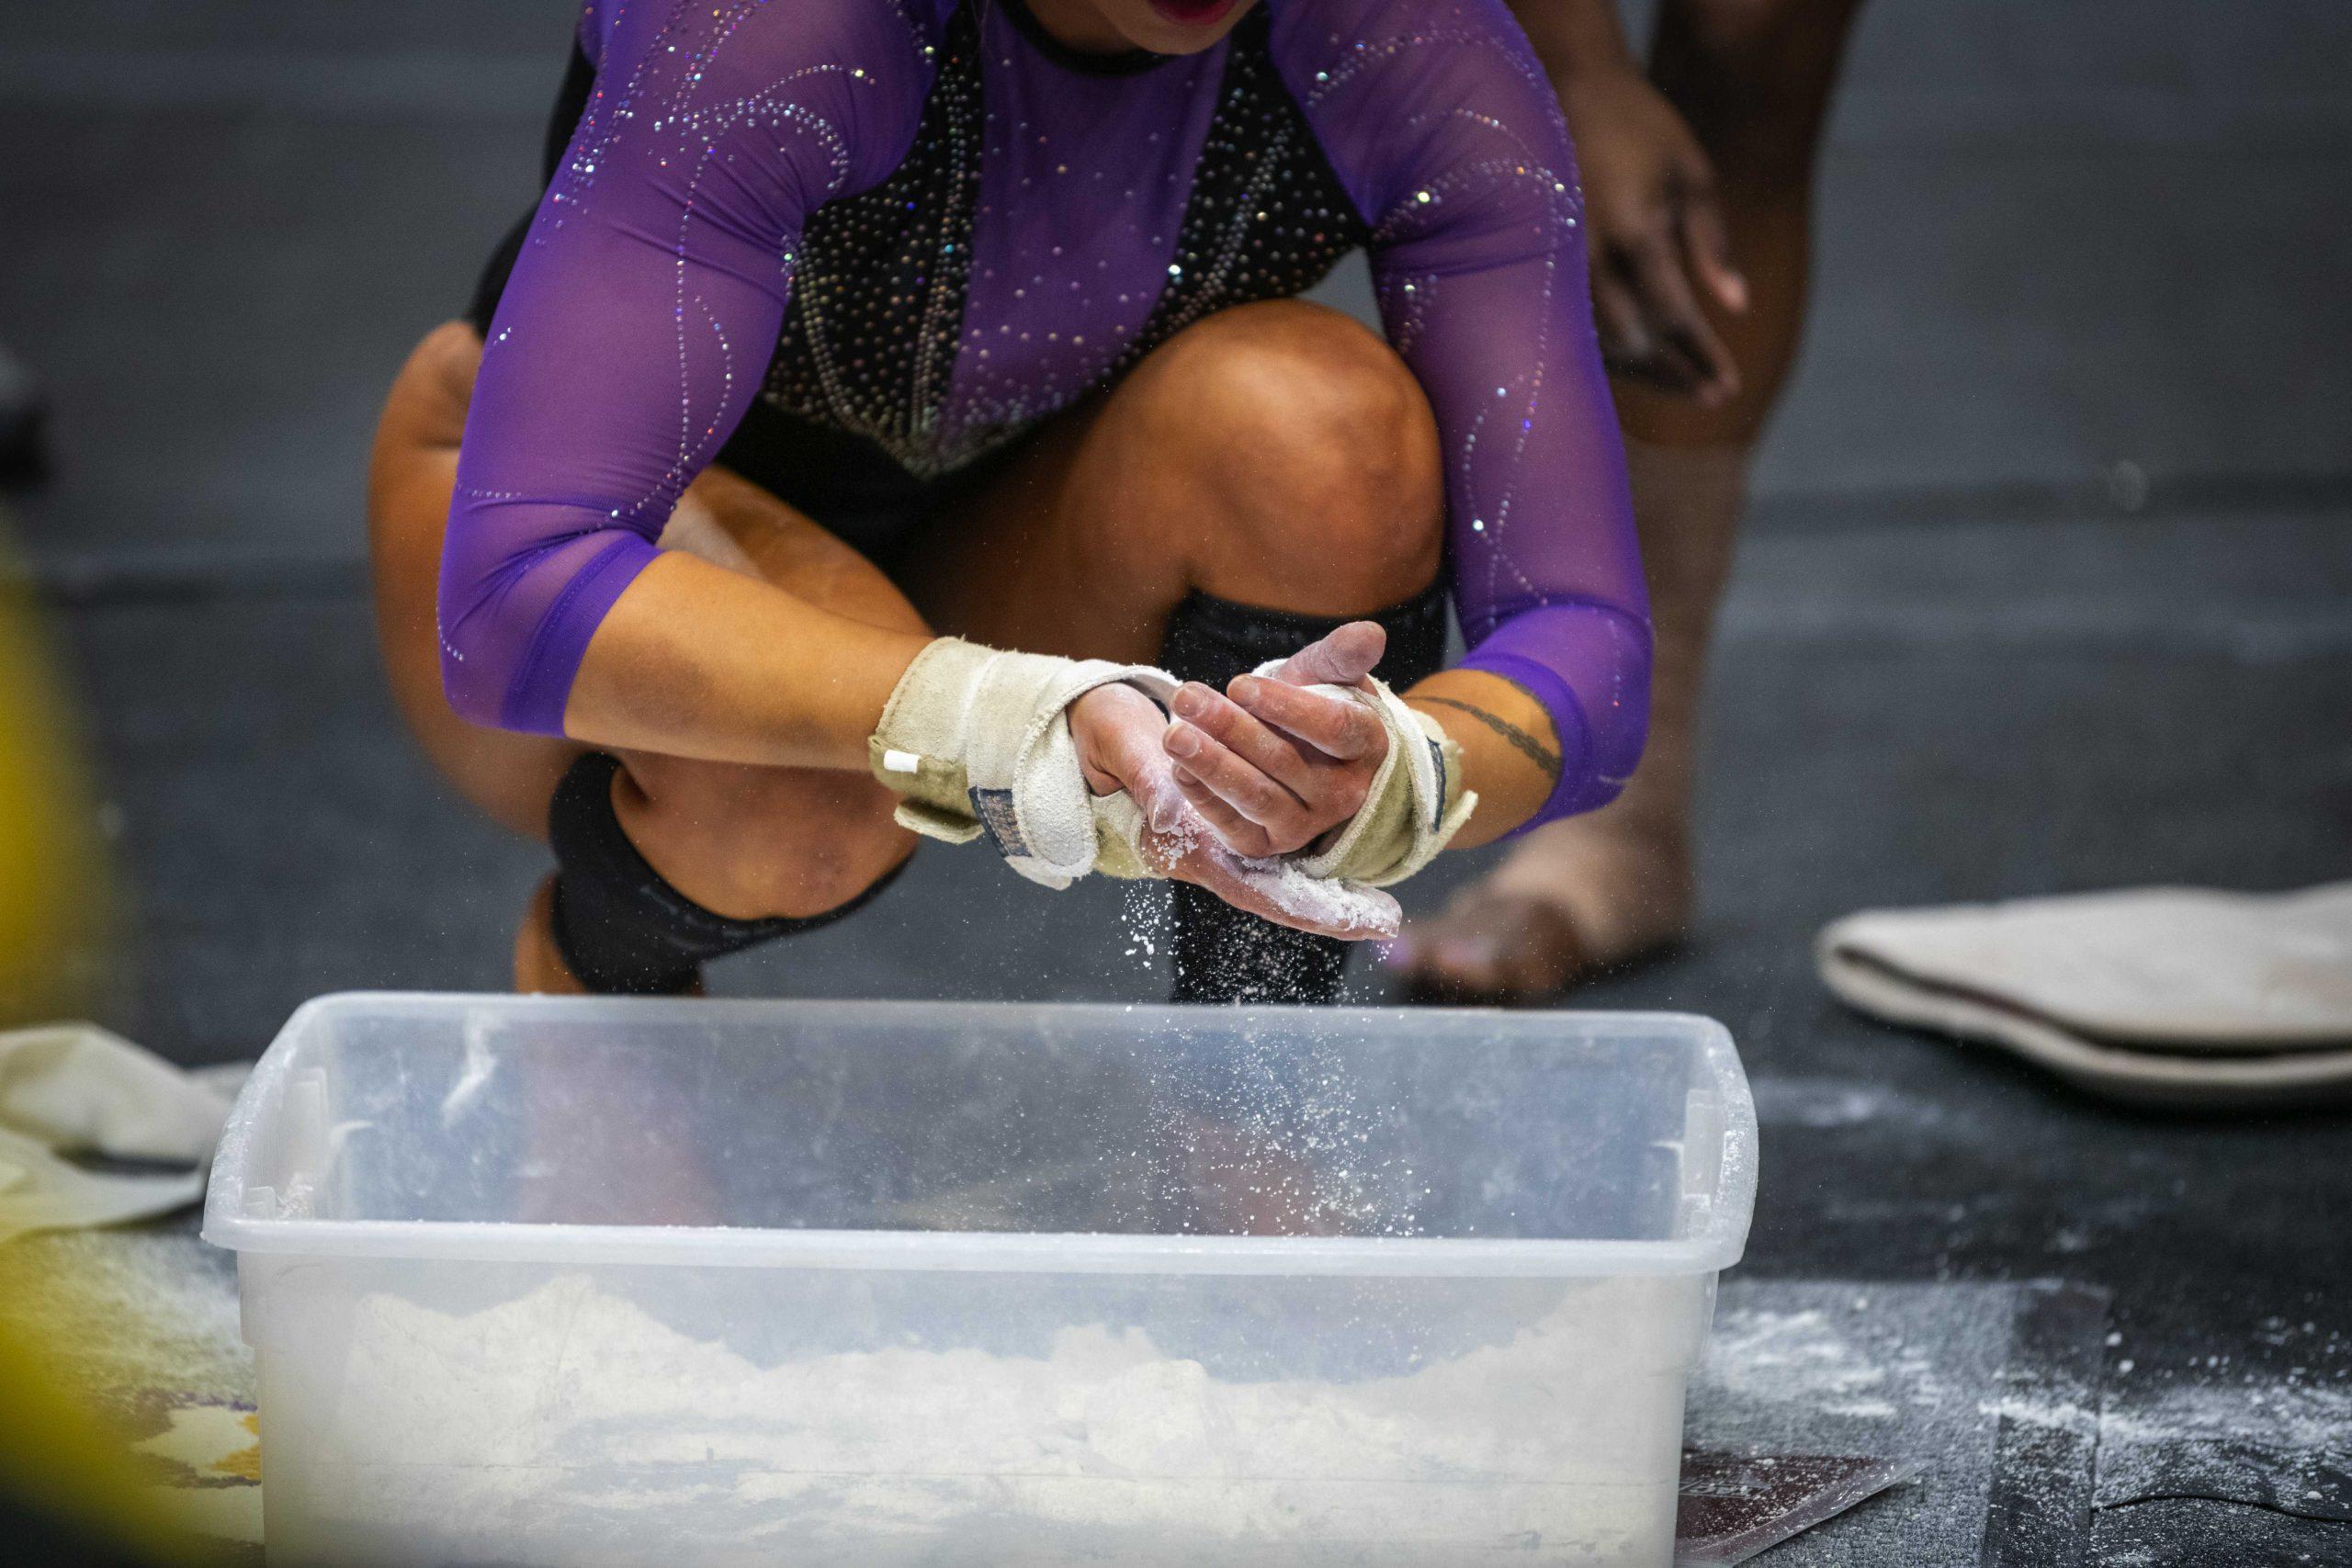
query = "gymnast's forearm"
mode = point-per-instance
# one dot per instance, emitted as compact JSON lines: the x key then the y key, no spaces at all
{"x":696,"y":661}
{"x":1510,"y":758}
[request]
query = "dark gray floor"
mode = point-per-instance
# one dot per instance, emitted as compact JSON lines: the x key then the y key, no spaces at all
{"x":2050,"y":588}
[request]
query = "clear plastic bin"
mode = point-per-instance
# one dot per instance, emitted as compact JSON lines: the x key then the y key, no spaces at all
{"x":533,"y":1280}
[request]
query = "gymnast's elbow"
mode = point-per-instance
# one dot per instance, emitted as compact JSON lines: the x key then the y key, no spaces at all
{"x":473,"y":692}
{"x":468,"y":632}
{"x":1611,"y":776}
{"x":1609,"y":737}
{"x":1619,"y":735}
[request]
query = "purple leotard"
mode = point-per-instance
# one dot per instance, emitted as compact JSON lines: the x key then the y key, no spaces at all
{"x":657,"y":285}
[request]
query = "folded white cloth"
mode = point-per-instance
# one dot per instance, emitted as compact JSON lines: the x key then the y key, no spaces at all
{"x":75,"y":1088}
{"x":2164,"y":995}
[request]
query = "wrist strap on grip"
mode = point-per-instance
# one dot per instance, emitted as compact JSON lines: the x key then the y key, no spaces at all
{"x":977,"y":740}
{"x":1416,"y":802}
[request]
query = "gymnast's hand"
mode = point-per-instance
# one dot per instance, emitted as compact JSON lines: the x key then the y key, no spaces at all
{"x":1271,"y":766}
{"x":1120,"y":737}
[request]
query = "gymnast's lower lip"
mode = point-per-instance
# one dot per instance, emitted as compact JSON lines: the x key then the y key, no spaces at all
{"x":1194,"y":13}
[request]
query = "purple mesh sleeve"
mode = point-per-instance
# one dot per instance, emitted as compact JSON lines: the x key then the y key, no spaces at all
{"x":1450,"y":142}
{"x":640,"y":318}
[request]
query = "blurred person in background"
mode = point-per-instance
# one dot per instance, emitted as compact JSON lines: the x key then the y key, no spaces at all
{"x":1698,"y":181}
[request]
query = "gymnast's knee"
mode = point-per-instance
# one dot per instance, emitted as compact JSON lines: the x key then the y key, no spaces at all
{"x":762,"y":843}
{"x":1323,"y":448}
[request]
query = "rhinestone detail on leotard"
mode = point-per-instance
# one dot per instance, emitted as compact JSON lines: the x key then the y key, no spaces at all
{"x":870,"y":340}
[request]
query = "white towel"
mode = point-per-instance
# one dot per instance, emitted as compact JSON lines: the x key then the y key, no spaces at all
{"x":75,"y":1088}
{"x":2165,"y":995}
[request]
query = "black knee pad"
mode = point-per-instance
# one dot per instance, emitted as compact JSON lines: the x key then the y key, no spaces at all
{"x":1212,"y":640}
{"x":621,"y":927}
{"x":1224,"y":954}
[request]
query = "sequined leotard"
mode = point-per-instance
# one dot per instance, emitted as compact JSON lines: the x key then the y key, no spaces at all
{"x":921,"y":223}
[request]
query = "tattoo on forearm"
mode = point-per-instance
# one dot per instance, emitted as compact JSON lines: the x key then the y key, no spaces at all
{"x":1526,"y":745}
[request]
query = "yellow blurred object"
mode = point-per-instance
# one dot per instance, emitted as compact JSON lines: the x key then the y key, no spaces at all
{"x":54,"y":903}
{"x":58,"y":1459}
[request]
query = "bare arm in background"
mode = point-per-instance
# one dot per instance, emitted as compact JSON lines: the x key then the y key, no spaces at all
{"x":1652,"y":224}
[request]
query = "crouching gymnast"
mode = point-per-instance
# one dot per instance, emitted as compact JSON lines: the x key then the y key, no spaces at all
{"x":896,"y":419}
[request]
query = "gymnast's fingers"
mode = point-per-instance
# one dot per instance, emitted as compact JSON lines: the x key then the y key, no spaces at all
{"x":1334,"y":726}
{"x":1273,"y":755}
{"x":1238,"y":834}
{"x":1340,"y":657}
{"x":1238,"y":785}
